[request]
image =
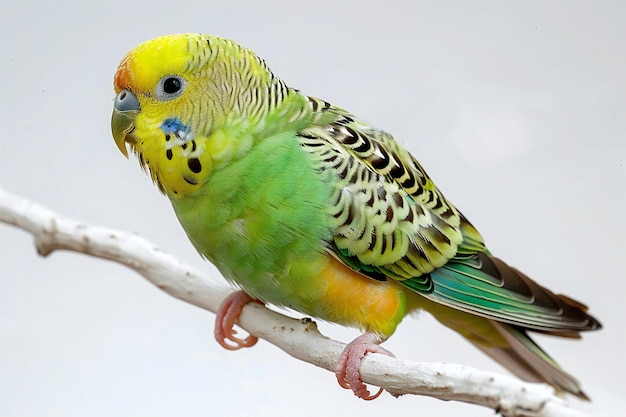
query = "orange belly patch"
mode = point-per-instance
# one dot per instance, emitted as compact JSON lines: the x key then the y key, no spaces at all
{"x":356,"y":300}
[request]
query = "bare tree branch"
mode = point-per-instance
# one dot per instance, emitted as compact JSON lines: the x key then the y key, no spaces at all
{"x":299,"y":338}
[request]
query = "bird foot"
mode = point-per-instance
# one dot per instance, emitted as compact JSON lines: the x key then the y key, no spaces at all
{"x":227,"y":315}
{"x":349,"y":363}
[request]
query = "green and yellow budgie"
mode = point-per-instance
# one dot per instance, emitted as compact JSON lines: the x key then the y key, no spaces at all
{"x":301,"y":205}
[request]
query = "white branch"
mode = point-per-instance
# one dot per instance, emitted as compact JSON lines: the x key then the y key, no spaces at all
{"x":300,"y":339}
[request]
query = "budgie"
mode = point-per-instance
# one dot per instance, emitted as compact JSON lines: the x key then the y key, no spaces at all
{"x":301,"y":205}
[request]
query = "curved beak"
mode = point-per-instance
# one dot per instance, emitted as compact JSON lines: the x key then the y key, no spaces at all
{"x":125,"y":110}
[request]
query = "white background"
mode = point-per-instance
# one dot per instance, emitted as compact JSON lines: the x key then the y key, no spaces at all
{"x":516,"y":109}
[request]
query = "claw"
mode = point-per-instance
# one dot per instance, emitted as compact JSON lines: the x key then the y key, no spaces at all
{"x":227,"y":315}
{"x":348,"y":375}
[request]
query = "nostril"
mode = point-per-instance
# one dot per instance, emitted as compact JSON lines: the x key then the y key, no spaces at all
{"x":126,"y":101}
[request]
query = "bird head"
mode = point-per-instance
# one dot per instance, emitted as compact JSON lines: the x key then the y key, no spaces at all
{"x":176,"y":92}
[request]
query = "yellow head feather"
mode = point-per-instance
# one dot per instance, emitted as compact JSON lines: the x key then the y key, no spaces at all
{"x":142,"y":68}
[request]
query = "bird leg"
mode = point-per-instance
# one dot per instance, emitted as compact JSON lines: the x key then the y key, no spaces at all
{"x":349,"y":363}
{"x":227,"y":315}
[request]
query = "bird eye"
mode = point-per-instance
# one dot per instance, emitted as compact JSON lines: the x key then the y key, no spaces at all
{"x":170,"y":87}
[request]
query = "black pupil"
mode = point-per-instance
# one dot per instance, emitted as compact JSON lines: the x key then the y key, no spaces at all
{"x":171,"y":85}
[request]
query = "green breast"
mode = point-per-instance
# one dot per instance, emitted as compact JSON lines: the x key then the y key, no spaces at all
{"x":262,"y":220}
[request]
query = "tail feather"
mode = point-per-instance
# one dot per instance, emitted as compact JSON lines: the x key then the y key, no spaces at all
{"x":525,"y":359}
{"x":509,"y":345}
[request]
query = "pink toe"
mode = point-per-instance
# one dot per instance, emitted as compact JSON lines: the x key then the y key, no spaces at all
{"x":348,"y":374}
{"x":227,"y":316}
